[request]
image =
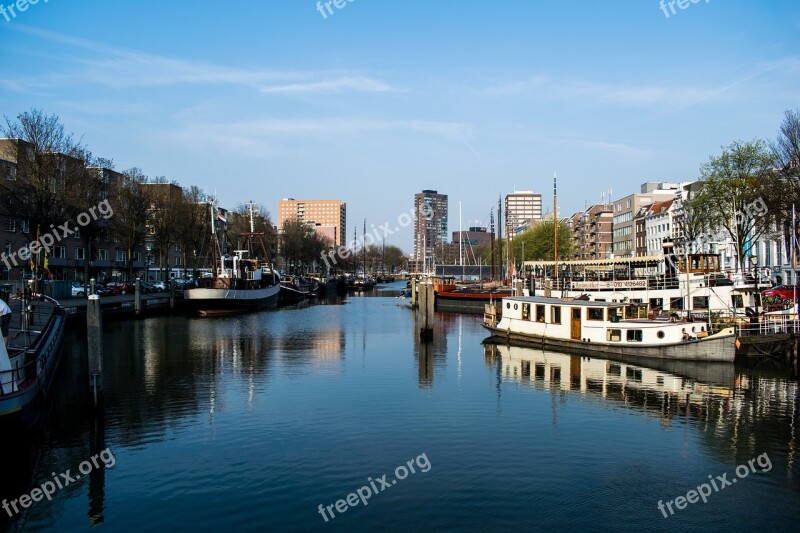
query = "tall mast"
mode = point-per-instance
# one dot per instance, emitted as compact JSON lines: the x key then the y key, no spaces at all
{"x":500,"y":237}
{"x":555,"y":222}
{"x":491,"y":237}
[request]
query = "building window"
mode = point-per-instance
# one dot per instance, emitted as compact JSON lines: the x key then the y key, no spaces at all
{"x":59,"y":252}
{"x":121,"y":255}
{"x":24,"y":226}
{"x":8,"y":248}
{"x":137,"y":257}
{"x":555,"y":311}
{"x":80,"y":254}
{"x":11,"y":225}
{"x":102,"y":254}
{"x":11,"y":173}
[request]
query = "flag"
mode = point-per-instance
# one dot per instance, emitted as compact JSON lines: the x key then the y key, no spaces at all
{"x":222,"y":215}
{"x":46,"y":261}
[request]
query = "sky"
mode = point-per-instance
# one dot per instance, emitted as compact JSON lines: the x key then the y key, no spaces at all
{"x":377,"y":100}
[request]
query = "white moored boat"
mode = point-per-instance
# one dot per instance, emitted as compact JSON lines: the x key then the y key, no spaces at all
{"x":585,"y":327}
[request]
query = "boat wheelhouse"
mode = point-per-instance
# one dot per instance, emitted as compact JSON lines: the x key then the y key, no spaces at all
{"x":591,"y":327}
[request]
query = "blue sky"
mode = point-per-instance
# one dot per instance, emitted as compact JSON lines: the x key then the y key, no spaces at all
{"x":266,"y":100}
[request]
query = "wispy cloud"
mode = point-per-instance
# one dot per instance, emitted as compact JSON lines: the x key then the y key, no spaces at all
{"x":262,"y":138}
{"x":118,"y":68}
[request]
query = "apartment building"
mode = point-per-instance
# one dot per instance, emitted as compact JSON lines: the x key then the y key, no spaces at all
{"x":328,"y":215}
{"x":627,"y":208}
{"x":522,"y":207}
{"x":592,"y":232}
{"x":430,"y":224}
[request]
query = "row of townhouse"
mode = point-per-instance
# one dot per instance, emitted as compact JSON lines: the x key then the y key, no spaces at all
{"x":71,"y":255}
{"x":641,"y":224}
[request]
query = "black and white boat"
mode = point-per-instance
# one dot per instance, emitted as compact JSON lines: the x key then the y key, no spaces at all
{"x":243,"y":281}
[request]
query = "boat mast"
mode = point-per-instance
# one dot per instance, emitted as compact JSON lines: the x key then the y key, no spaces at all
{"x":491,"y":237}
{"x":213,"y":238}
{"x":555,"y":227}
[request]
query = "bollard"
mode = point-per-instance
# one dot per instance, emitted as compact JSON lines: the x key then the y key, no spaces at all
{"x":138,"y":298}
{"x":92,"y":288}
{"x":94,"y":330}
{"x":547,"y":288}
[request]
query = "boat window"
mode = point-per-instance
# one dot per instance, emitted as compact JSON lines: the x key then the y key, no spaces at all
{"x":508,"y":305}
{"x":614,"y":335}
{"x":539,"y":313}
{"x":660,"y":334}
{"x":636,"y":300}
{"x":614,"y":314}
{"x":556,"y":314}
{"x":526,"y":311}
{"x":737,"y":300}
{"x":634,"y":335}
{"x":656,"y":304}
{"x":700,"y":302}
{"x":676,"y":304}
{"x":594,"y":313}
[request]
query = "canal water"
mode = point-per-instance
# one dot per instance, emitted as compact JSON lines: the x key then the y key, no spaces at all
{"x":253,"y":422}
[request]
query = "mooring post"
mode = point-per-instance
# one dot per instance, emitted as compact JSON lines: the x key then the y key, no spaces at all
{"x":414,"y":295}
{"x":171,"y":288}
{"x":94,"y":330}
{"x":92,"y":287}
{"x":425,"y":310}
{"x":138,"y":297}
{"x":548,"y":288}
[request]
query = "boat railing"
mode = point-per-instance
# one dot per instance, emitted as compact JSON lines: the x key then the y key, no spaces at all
{"x":770,"y":326}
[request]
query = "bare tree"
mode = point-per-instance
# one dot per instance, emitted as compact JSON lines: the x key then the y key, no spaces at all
{"x":128,"y":200}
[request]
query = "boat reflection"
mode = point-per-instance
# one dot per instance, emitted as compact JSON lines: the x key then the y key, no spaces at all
{"x":667,"y":391}
{"x":738,"y":411}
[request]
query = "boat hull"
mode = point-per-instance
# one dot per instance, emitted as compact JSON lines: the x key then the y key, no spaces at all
{"x":231,"y":300}
{"x":19,"y":408}
{"x":467,"y":302}
{"x":716,"y":348}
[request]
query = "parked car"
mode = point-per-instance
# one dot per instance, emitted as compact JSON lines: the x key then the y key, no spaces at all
{"x":784,"y":292}
{"x":78,"y":289}
{"x":102,"y":290}
{"x":160,"y":286}
{"x":119,"y":287}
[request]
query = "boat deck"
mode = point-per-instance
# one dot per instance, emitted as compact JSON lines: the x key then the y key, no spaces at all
{"x":18,"y":339}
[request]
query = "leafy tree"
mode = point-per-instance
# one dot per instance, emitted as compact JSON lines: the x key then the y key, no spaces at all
{"x":735,"y":188}
{"x":786,"y":151}
{"x":538,"y":240}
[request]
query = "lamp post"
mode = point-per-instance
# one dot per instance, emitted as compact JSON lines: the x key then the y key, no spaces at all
{"x":148,"y":257}
{"x":754,"y":270}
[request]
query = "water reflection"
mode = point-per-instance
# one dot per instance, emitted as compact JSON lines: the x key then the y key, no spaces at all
{"x":739,"y":412}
